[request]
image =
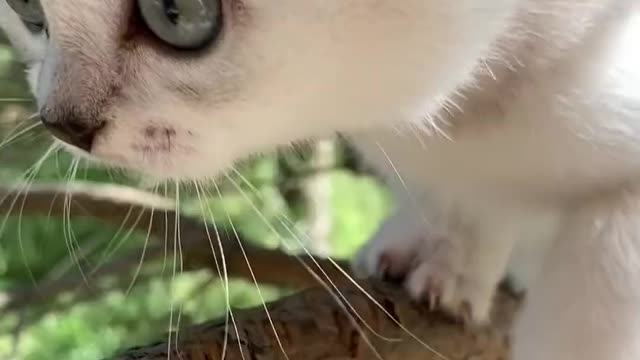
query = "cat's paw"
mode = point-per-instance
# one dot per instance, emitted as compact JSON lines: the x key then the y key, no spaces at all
{"x":433,"y":270}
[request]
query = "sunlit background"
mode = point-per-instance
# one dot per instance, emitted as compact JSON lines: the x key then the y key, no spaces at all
{"x":312,"y":190}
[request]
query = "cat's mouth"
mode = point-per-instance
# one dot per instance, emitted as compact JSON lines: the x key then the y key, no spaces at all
{"x":96,"y":142}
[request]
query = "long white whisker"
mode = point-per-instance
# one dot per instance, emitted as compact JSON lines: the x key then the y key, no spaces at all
{"x":226,"y":274}
{"x":333,"y":285}
{"x":312,"y":272}
{"x":166,"y":233}
{"x":343,"y":272}
{"x":29,"y":175}
{"x":16,"y":100}
{"x":253,"y":277}
{"x":15,"y":134}
{"x":341,"y":301}
{"x":144,"y":251}
{"x":404,"y":184}
{"x":224,"y":277}
{"x":109,"y":250}
{"x":68,"y":232}
{"x":33,"y":170}
{"x":176,"y":251}
{"x":121,"y":242}
{"x":179,"y":238}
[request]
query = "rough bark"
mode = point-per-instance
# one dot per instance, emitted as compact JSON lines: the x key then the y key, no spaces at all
{"x":312,"y":325}
{"x":367,"y":321}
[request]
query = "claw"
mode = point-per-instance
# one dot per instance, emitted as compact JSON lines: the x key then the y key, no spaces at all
{"x":384,"y":267}
{"x":433,"y":293}
{"x":388,"y":269}
{"x":466,"y":313}
{"x":434,"y":301}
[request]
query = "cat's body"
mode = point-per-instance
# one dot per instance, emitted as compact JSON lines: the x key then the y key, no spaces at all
{"x":530,"y":157}
{"x":520,"y":159}
{"x":537,"y":141}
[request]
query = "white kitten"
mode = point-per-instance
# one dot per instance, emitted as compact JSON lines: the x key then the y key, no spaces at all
{"x":509,"y":130}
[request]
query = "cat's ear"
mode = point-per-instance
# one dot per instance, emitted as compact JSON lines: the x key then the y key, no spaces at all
{"x":30,"y":45}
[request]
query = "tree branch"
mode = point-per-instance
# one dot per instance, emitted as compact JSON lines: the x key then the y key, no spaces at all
{"x":156,"y":215}
{"x":313,"y":324}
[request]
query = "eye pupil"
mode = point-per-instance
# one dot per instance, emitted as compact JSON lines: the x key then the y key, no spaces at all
{"x":170,"y":10}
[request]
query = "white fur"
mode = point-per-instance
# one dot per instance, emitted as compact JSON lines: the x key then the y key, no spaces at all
{"x":565,"y":140}
{"x":356,"y":63}
{"x":509,"y":129}
{"x":589,"y":287}
{"x":30,"y":46}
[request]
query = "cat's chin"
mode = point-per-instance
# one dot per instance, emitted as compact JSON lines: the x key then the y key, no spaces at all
{"x":77,"y":152}
{"x":157,"y":169}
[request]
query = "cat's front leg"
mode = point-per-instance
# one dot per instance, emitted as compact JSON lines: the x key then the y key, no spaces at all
{"x":585,"y":305}
{"x":442,"y":256}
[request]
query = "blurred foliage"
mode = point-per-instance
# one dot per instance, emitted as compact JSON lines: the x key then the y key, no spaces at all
{"x":36,"y":250}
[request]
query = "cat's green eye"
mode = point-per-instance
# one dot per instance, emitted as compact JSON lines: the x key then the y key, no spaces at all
{"x":30,"y":12}
{"x":184,"y":24}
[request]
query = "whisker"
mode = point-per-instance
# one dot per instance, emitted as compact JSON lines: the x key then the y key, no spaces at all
{"x":29,"y":176}
{"x":176,"y":234}
{"x":344,"y":273}
{"x":110,"y":174}
{"x":16,"y":100}
{"x":23,"y":253}
{"x":166,"y":233}
{"x":253,"y":277}
{"x":251,"y":186}
{"x":144,"y":250}
{"x":85,"y":170}
{"x":14,"y":134}
{"x":179,"y":239}
{"x":404,"y":184}
{"x":389,"y":315}
{"x":68,"y":233}
{"x":393,"y":166}
{"x":224,"y":277}
{"x":106,"y":253}
{"x":339,"y":295}
{"x":63,"y":266}
{"x":106,"y":256}
{"x":341,"y":301}
{"x":312,"y":272}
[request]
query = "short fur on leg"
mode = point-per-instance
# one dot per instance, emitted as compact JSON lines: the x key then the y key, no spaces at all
{"x":585,"y":305}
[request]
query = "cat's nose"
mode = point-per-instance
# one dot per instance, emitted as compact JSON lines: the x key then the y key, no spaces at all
{"x":73,"y":130}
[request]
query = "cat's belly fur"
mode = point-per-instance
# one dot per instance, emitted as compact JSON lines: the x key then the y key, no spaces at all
{"x":564,"y":133}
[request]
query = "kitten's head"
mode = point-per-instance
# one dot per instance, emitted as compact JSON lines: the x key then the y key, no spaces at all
{"x":183,"y":88}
